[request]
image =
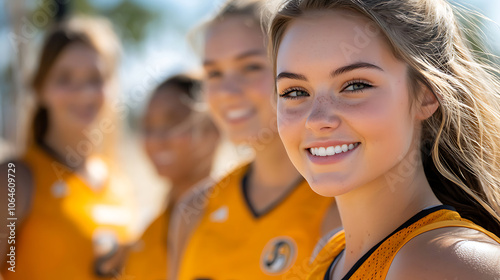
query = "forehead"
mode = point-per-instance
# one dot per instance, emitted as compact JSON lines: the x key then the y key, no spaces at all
{"x":331,"y":38}
{"x":231,"y":37}
{"x":79,"y":56}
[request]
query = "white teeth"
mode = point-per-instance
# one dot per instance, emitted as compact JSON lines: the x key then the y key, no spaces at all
{"x":338,"y":149}
{"x":238,"y":113}
{"x":332,"y":150}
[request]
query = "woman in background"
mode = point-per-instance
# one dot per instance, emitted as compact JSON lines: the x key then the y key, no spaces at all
{"x":410,"y":121}
{"x":73,"y":207}
{"x":262,"y":219}
{"x":181,"y":143}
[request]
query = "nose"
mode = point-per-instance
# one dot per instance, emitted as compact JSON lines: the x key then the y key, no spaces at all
{"x":231,"y":85}
{"x":323,"y":116}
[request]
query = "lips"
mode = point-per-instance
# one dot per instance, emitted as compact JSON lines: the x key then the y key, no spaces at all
{"x":240,"y":114}
{"x":163,"y":158}
{"x":331,"y":153}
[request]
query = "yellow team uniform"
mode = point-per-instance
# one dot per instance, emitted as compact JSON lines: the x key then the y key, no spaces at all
{"x":66,"y":220}
{"x":148,"y":258}
{"x":233,"y":242}
{"x":375,"y":263}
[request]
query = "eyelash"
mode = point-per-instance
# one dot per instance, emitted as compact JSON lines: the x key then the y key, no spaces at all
{"x":285,"y":94}
{"x":357,"y":82}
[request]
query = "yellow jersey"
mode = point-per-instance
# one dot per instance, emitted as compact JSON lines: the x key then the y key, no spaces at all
{"x":233,"y":242}
{"x":148,"y":257}
{"x":375,"y":264}
{"x":67,"y":225}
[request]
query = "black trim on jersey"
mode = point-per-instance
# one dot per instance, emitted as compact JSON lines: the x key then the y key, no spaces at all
{"x":330,"y":268}
{"x":272,"y":206}
{"x":406,"y":224}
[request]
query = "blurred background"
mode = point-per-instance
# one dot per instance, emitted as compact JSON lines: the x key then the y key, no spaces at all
{"x":155,"y":45}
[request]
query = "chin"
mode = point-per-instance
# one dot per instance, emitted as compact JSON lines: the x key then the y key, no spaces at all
{"x":328,"y":185}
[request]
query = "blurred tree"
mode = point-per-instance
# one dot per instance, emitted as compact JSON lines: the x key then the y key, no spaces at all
{"x":129,"y":18}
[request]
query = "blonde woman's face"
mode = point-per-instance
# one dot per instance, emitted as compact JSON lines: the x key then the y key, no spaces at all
{"x":343,"y":107}
{"x":74,"y":89}
{"x":238,"y":79}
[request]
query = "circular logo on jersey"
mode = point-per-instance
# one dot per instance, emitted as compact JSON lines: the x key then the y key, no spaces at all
{"x":278,"y":255}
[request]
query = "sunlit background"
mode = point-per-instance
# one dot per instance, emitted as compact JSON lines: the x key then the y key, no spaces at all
{"x":153,"y":33}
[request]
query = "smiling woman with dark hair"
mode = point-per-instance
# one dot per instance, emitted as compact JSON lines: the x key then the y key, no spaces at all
{"x":72,"y":205}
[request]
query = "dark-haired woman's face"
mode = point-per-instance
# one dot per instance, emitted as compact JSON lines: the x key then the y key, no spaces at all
{"x":170,"y":134}
{"x":73,"y":91}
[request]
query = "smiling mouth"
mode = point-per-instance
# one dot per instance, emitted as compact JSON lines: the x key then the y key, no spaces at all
{"x":332,"y":150}
{"x":239,"y":114}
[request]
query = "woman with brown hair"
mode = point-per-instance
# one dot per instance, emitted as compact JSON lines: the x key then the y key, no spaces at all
{"x":383,"y":105}
{"x":72,"y":211}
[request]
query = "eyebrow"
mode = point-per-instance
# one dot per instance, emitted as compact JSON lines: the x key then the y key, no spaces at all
{"x":334,"y":73}
{"x":254,"y":52}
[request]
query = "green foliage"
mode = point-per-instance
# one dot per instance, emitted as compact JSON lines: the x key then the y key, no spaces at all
{"x":129,"y":18}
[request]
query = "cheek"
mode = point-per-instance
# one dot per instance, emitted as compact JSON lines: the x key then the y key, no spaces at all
{"x":291,"y":126}
{"x":386,"y":128}
{"x":150,"y":146}
{"x":55,"y":98}
{"x":212,"y":99}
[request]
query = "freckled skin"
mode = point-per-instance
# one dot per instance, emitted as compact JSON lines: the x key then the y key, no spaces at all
{"x":379,"y":117}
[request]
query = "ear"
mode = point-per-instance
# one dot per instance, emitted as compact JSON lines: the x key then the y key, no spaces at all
{"x":427,"y":104}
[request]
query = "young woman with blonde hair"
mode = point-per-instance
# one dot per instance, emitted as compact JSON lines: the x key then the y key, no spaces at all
{"x":261,"y":220}
{"x":383,"y":105}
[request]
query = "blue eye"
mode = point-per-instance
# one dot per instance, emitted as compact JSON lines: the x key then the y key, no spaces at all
{"x":357,"y":86}
{"x":294,"y":93}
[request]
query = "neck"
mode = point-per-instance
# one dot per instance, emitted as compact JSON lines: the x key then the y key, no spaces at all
{"x":271,"y":167}
{"x":69,"y":146}
{"x":368,"y":213}
{"x":181,"y":186}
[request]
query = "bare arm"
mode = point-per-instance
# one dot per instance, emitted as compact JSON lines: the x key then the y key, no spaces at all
{"x":448,"y":253}
{"x":17,"y":192}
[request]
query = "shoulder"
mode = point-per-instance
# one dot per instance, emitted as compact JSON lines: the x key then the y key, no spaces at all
{"x":16,"y":186}
{"x":185,"y":217}
{"x":321,"y":244}
{"x":192,"y":204}
{"x":18,"y":182}
{"x":448,"y":253}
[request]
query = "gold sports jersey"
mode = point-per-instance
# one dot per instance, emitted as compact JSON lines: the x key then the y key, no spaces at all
{"x":148,"y":257}
{"x":375,"y":264}
{"x":233,"y":242}
{"x":67,"y":224}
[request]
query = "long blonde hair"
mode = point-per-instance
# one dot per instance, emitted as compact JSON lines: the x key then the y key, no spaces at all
{"x":460,"y":143}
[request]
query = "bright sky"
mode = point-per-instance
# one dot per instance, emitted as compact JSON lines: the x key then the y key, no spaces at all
{"x":167,"y":52}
